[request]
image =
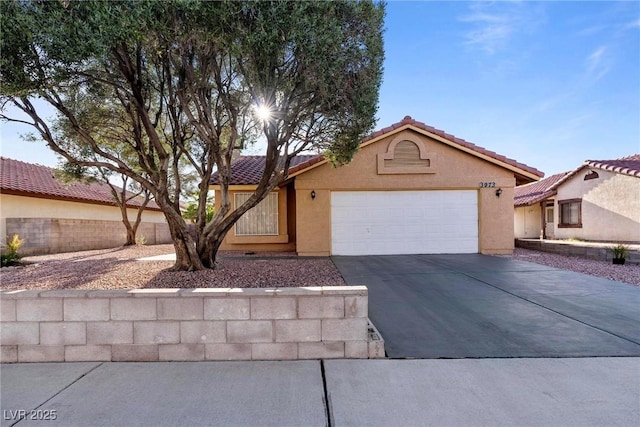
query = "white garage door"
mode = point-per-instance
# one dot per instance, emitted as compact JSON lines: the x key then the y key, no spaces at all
{"x":404,"y":222}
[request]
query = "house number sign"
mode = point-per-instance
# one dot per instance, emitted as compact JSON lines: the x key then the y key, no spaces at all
{"x":485,"y":184}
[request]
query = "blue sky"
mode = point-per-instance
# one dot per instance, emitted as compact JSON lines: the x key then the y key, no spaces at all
{"x":549,"y":84}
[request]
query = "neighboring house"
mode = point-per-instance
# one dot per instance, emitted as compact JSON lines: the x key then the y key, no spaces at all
{"x":597,"y":201}
{"x":534,"y":208}
{"x":410,"y":189}
{"x":55,"y":217}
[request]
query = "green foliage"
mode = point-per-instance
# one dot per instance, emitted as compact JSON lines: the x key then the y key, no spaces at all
{"x":69,"y":173}
{"x":165,"y":91}
{"x":191,"y":212}
{"x":620,"y":251}
{"x":11,"y":255}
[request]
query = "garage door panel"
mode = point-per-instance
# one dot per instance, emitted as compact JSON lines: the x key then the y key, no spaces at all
{"x":404,"y":222}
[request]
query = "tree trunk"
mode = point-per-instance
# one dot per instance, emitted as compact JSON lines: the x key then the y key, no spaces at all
{"x":131,"y":234}
{"x":131,"y":231}
{"x":187,"y":258}
{"x":208,"y":250}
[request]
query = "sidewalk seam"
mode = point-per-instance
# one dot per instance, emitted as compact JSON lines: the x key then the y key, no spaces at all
{"x":63,"y":389}
{"x":326,"y":398}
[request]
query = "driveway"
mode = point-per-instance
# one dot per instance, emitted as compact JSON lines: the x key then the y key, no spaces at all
{"x":477,"y":306}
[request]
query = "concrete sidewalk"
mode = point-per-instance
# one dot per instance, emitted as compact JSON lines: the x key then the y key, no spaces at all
{"x":523,"y":392}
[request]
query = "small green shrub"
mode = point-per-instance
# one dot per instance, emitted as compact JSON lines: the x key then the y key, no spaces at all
{"x":141,"y":240}
{"x":11,"y":256}
{"x":620,"y":251}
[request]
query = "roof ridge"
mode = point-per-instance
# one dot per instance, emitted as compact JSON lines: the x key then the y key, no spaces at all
{"x":545,"y":179}
{"x":408,"y":120}
{"x":310,"y":160}
{"x":26,"y":163}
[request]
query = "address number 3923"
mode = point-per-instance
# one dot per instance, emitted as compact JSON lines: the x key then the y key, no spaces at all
{"x":487,"y":184}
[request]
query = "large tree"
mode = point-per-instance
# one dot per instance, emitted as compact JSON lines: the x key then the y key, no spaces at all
{"x":185,"y":80}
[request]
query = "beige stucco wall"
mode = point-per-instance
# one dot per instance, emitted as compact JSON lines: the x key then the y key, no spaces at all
{"x":12,"y":206}
{"x":610,"y":206}
{"x":528,"y":222}
{"x":454,"y":170}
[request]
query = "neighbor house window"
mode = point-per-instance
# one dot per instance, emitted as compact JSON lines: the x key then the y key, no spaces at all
{"x":570,"y":213}
{"x":261,"y":220}
{"x":550,"y":215}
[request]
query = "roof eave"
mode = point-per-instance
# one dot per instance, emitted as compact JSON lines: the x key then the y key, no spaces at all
{"x":526,"y":174}
{"x":47,"y":196}
{"x":542,"y":197}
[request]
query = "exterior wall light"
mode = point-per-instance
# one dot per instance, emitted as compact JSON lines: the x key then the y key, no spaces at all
{"x":313,"y":194}
{"x":498,"y":192}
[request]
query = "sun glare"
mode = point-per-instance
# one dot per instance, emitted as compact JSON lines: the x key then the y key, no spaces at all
{"x":263,"y":112}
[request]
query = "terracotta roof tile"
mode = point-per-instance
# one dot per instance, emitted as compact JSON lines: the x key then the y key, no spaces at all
{"x":248,"y":169}
{"x":629,"y":165}
{"x":528,"y":194}
{"x":35,"y":180}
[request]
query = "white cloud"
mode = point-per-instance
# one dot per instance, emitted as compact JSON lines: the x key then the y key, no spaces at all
{"x":494,"y":24}
{"x":632,"y":24}
{"x":598,"y":64}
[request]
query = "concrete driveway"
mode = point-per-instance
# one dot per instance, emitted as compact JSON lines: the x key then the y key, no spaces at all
{"x":477,"y":306}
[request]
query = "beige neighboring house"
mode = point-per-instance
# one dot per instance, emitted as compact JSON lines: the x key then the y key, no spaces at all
{"x":54,"y":217}
{"x":410,"y":189}
{"x":534,"y":203}
{"x":597,"y":201}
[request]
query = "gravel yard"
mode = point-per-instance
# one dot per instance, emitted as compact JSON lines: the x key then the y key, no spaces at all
{"x":119,"y":269}
{"x":628,"y":273}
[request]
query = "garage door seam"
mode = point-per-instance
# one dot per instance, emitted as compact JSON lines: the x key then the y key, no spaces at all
{"x":550,"y":309}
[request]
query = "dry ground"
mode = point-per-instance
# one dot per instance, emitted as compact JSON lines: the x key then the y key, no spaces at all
{"x":119,"y":269}
{"x":628,"y":273}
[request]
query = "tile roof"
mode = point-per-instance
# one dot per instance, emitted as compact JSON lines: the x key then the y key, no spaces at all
{"x":528,"y":194}
{"x":629,"y":165}
{"x":408,"y":120}
{"x":33,"y":180}
{"x":248,"y":169}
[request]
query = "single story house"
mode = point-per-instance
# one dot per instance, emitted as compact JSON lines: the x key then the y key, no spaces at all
{"x":410,"y":189}
{"x":534,"y":208}
{"x":55,"y":217}
{"x":597,"y":201}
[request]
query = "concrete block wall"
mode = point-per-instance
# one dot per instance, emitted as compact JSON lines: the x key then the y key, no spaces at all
{"x":185,"y":324}
{"x":54,"y":235}
{"x":599,"y":252}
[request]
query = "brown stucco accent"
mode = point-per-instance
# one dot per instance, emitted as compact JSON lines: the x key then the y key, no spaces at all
{"x":424,"y":162}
